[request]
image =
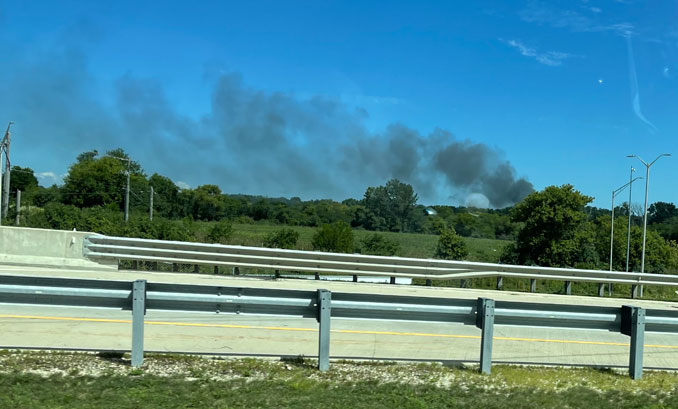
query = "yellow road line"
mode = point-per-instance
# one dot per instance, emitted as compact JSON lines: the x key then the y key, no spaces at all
{"x":412,"y":334}
{"x":40,"y":317}
{"x":191,"y":324}
{"x":178,"y":324}
{"x":340,"y":331}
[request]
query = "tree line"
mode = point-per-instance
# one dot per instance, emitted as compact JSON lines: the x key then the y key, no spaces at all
{"x":98,"y":181}
{"x":553,"y":227}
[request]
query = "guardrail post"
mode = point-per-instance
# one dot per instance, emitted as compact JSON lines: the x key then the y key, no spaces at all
{"x":175,"y":267}
{"x":633,"y":325}
{"x":277,"y":273}
{"x":429,"y":282}
{"x":601,"y":289}
{"x":568,"y":287}
{"x":533,"y":285}
{"x":392,"y":280}
{"x":485,"y":321}
{"x":324,"y":316}
{"x":236,"y":271}
{"x":138,"y":312}
{"x":355,"y":278}
{"x":634,"y":291}
{"x":316,"y":276}
{"x":500,"y":283}
{"x":216,"y":269}
{"x":196,"y":269}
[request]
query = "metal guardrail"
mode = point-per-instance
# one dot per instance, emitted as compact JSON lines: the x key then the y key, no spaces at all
{"x":322,"y":305}
{"x":107,"y":248}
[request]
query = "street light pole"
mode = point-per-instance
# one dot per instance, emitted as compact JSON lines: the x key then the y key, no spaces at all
{"x":647,"y":185}
{"x":628,"y":230}
{"x":614,"y":192}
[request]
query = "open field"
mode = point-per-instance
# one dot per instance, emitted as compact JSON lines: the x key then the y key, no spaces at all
{"x":411,"y":244}
{"x":78,"y":380}
{"x":423,"y":246}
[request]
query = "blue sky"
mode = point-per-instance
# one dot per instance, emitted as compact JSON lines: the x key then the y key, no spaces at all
{"x":470,"y":103}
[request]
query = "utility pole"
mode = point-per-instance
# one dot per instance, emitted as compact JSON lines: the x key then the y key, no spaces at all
{"x":129,"y":161}
{"x":127,"y":195}
{"x":150,"y":207}
{"x":18,"y":206}
{"x":4,"y":195}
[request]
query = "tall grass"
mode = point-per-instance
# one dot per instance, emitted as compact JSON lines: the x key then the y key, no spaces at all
{"x":411,"y":244}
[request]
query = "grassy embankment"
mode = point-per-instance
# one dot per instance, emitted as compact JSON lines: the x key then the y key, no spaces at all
{"x":68,"y":380}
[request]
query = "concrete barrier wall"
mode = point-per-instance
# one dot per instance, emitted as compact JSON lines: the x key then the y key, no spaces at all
{"x":48,"y":248}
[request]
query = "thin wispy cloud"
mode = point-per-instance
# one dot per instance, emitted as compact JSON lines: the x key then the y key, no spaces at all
{"x":546,"y":14}
{"x":550,"y":58}
{"x":635,"y":93}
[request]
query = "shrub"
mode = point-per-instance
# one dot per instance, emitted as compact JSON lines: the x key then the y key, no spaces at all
{"x":379,"y":245}
{"x":61,"y":217}
{"x":451,"y":246}
{"x":102,"y":220}
{"x":336,"y":237}
{"x":171,"y":230}
{"x":282,"y":239}
{"x":220,"y":232}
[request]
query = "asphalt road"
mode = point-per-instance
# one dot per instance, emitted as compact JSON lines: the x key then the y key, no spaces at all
{"x":104,"y":329}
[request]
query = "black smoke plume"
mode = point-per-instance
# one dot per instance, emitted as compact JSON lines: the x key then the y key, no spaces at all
{"x":250,"y":141}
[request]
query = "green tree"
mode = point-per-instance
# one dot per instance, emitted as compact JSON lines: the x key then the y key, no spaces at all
{"x":336,"y":237}
{"x":22,"y":179}
{"x":668,"y":229}
{"x":451,"y":246}
{"x":658,"y":212}
{"x":260,"y":210}
{"x":555,"y":231}
{"x":207,"y":203}
{"x":282,"y":239}
{"x":379,"y":245}
{"x":435,"y":224}
{"x":660,"y":254}
{"x":166,"y":196}
{"x":87,"y":156}
{"x":101,"y":182}
{"x":395,"y":203}
{"x":44,"y":195}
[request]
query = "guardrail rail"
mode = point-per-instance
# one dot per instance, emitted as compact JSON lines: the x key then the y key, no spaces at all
{"x":108,"y":249}
{"x":323,"y":305}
